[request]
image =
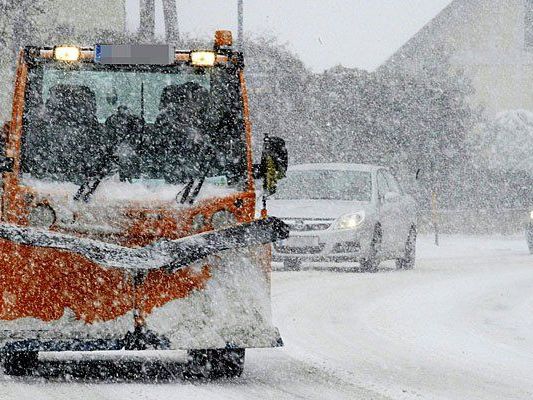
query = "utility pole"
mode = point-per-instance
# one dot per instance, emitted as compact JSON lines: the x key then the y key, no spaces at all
{"x":170,"y":11}
{"x":240,"y":23}
{"x":147,"y":25}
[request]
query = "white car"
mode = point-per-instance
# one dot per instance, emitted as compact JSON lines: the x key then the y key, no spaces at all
{"x":344,"y":212}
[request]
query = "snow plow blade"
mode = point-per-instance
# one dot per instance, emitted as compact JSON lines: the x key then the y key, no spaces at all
{"x":170,"y":255}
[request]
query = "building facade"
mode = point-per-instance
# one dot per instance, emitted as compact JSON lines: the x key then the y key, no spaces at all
{"x":490,"y":41}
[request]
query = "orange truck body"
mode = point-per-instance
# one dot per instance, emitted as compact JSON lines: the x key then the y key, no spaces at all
{"x":52,"y":296}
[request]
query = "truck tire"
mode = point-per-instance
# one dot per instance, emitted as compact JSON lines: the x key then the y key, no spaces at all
{"x":20,"y":363}
{"x":214,"y":364}
{"x":371,"y":262}
{"x":408,"y":259}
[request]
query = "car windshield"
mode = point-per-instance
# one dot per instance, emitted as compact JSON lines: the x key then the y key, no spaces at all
{"x":326,"y":185}
{"x":143,"y":123}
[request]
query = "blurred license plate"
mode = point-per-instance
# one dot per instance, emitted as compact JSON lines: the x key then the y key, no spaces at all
{"x":300,"y":241}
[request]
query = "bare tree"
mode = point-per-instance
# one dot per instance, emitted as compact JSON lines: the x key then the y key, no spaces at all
{"x":171,"y":21}
{"x":147,"y":25}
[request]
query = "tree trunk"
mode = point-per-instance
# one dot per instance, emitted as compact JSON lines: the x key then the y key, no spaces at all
{"x":171,"y":21}
{"x":147,"y":25}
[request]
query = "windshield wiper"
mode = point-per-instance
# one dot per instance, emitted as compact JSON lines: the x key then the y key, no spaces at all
{"x":89,"y":186}
{"x":86,"y":189}
{"x":187,"y":196}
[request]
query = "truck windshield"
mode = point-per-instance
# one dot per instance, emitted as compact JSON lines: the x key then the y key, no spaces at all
{"x":325,"y":185}
{"x":140,"y":123}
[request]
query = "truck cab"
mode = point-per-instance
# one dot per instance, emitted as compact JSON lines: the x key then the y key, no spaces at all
{"x":128,"y":203}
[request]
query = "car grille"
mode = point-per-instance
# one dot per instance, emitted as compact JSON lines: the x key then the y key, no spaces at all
{"x":298,"y":250}
{"x":306,"y":225}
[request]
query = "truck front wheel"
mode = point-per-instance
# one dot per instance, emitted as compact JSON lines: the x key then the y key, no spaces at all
{"x":214,"y":364}
{"x":20,"y":363}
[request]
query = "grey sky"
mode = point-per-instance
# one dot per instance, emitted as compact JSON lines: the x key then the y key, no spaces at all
{"x":324,"y":33}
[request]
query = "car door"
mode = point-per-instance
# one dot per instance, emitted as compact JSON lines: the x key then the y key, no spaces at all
{"x":386,"y":214}
{"x":400,"y":209}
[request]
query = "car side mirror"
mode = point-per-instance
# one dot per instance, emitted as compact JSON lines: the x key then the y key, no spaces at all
{"x":6,"y":163}
{"x":274,"y":163}
{"x":391,"y":197}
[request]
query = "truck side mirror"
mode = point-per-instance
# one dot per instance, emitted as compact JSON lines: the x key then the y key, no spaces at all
{"x":274,"y":163}
{"x":6,"y":163}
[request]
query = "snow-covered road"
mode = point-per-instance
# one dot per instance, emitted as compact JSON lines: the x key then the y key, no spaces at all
{"x":459,"y":326}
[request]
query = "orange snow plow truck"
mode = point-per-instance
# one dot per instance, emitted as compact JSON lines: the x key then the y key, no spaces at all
{"x":128,"y":207}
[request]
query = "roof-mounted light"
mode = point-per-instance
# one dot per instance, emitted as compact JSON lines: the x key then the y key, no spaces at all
{"x":223,"y":39}
{"x":203,"y":58}
{"x":67,"y":53}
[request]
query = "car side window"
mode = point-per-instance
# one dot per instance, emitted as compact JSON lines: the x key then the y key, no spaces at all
{"x":393,"y":184}
{"x":383,"y":187}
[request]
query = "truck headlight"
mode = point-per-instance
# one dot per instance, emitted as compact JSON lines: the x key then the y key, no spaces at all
{"x":350,"y":221}
{"x":42,"y":216}
{"x":67,"y":53}
{"x":203,"y":58}
{"x":223,"y":219}
{"x":198,"y":223}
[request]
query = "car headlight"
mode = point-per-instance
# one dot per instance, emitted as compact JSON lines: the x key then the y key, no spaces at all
{"x":350,"y":221}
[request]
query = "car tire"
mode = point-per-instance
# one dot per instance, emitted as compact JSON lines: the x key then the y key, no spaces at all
{"x":292,"y":264}
{"x":371,"y":262}
{"x":214,"y":364}
{"x":20,"y":363}
{"x":408,"y":259}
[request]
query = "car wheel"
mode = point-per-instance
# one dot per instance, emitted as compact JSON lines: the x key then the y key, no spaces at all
{"x":292,"y":264}
{"x":20,"y":363}
{"x":214,"y":364}
{"x":371,"y":262}
{"x":408,"y":259}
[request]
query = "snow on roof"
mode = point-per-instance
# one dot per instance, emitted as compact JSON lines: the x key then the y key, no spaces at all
{"x":432,"y":37}
{"x":334,"y":166}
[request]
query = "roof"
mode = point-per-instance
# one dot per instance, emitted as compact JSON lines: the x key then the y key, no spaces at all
{"x":335,"y":166}
{"x":431,"y":37}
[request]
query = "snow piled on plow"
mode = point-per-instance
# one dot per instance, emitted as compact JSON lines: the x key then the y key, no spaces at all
{"x":233,"y":309}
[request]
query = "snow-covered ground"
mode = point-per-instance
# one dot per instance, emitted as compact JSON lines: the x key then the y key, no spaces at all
{"x":459,"y":326}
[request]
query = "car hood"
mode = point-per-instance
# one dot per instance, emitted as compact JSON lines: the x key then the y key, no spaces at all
{"x":329,"y":209}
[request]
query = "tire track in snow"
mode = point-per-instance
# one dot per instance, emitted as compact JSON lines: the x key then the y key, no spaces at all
{"x":410,"y":334}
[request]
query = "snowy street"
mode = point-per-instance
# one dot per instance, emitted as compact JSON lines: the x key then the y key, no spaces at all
{"x":456,"y":327}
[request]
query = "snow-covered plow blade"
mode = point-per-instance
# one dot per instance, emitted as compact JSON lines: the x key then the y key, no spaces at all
{"x":211,"y":290}
{"x":168,"y":254}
